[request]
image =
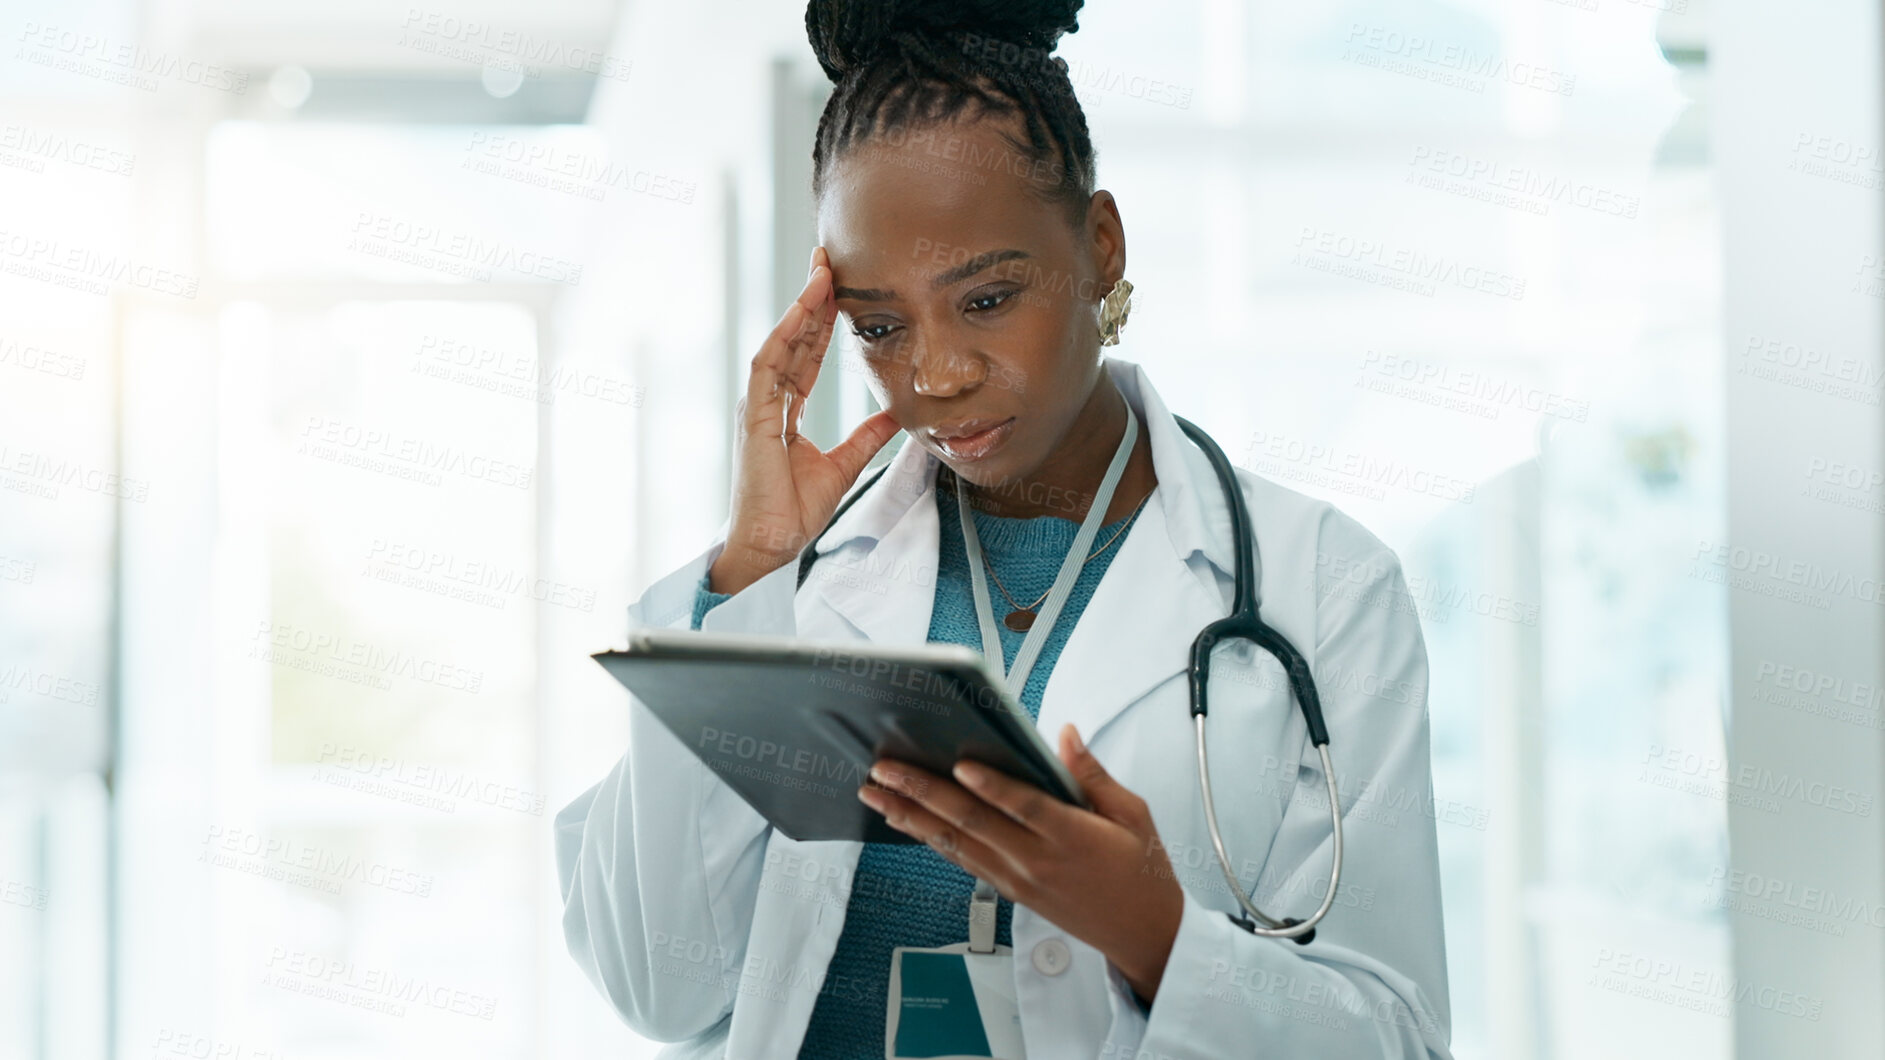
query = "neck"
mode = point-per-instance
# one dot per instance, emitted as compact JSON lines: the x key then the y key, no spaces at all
{"x":1065,"y":483}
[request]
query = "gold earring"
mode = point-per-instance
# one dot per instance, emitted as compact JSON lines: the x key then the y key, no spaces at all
{"x":1113,"y":310}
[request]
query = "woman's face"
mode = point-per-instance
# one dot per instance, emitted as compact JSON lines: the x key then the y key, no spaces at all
{"x":970,"y":298}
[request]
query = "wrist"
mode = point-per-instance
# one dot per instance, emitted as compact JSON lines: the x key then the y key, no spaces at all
{"x":727,"y":577}
{"x":1144,"y":968}
{"x":736,"y":568}
{"x":752,"y":553}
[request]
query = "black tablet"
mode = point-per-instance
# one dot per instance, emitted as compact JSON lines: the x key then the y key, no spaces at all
{"x":794,"y":725}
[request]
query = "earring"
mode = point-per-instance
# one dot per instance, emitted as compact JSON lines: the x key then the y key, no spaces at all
{"x":1113,"y":310}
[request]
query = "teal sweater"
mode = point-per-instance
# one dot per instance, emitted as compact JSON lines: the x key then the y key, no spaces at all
{"x":909,"y":895}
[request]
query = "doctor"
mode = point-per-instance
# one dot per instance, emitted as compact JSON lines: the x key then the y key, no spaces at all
{"x":981,"y":274}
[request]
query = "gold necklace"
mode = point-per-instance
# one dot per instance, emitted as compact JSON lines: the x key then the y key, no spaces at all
{"x":1021,"y":619}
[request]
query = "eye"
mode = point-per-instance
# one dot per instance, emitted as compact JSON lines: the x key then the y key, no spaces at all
{"x":869,"y":333}
{"x":989,"y":300}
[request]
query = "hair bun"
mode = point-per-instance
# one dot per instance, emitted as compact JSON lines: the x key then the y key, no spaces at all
{"x":846,"y":34}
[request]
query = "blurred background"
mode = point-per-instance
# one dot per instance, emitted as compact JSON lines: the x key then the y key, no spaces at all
{"x":361,"y":362}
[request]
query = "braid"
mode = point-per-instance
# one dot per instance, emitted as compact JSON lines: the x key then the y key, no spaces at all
{"x":900,"y":65}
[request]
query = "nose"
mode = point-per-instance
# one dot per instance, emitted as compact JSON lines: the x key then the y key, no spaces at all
{"x":940,"y":370}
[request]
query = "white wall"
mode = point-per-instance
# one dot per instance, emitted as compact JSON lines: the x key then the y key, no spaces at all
{"x":1798,"y":134}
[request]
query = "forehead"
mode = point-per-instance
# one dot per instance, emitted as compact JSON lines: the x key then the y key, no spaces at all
{"x":937,"y":194}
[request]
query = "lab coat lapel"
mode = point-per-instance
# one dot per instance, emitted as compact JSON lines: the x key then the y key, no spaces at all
{"x":885,"y":588}
{"x":888,"y":591}
{"x":1134,"y":635}
{"x":1161,"y":590}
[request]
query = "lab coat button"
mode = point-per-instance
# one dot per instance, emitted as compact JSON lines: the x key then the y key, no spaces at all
{"x":1051,"y":957}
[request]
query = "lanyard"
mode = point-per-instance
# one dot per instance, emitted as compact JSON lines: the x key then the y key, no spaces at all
{"x":982,"y":903}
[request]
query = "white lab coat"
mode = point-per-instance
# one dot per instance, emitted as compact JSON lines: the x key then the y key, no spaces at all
{"x":703,"y":925}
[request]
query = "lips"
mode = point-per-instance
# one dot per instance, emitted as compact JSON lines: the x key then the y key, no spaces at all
{"x":972,"y":439}
{"x":963,"y":428}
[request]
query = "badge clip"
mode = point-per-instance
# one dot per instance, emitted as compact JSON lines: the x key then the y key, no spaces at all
{"x":982,"y":918}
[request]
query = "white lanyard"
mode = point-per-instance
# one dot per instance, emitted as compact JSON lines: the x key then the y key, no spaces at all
{"x":982,"y":903}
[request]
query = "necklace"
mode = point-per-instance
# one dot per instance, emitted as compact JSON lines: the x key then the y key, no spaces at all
{"x":1021,"y":619}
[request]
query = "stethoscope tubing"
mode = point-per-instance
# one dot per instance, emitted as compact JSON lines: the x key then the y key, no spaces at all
{"x":1244,"y":623}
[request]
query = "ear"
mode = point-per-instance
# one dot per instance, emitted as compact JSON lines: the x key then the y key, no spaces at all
{"x":1106,"y":234}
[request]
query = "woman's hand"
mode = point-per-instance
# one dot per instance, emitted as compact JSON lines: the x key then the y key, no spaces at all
{"x":784,"y":487}
{"x":1103,"y":876}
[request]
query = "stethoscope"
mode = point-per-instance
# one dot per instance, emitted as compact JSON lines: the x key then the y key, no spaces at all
{"x":1241,"y":624}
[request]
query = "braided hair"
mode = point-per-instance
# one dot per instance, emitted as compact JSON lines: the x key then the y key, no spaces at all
{"x":903,"y":64}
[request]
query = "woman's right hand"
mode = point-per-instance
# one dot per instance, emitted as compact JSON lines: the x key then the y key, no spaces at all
{"x":784,"y":488}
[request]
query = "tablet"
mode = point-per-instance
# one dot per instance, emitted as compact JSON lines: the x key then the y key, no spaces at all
{"x":793,"y":725}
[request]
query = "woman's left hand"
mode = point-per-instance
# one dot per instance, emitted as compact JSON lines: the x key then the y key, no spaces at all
{"x":1102,"y":876}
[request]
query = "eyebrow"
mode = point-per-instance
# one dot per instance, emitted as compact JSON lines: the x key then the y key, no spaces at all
{"x":940,"y":280}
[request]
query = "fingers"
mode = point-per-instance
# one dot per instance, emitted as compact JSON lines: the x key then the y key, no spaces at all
{"x":766,"y":382}
{"x":821,"y":321}
{"x":1026,"y":805}
{"x":947,"y":809}
{"x":866,"y":439}
{"x":1108,"y":796}
{"x":973,"y":855}
{"x":813,"y":340}
{"x":786,"y":366}
{"x":964,"y":849}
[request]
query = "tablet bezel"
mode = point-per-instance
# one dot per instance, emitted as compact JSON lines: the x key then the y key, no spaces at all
{"x":962,"y":663}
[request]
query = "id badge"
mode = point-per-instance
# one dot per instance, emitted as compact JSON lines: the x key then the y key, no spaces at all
{"x":950,"y":1004}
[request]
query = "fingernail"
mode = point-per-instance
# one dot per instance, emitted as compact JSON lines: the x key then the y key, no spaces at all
{"x":1079,"y":745}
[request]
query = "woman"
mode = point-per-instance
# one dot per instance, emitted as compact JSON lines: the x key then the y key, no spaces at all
{"x":981,"y":273}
